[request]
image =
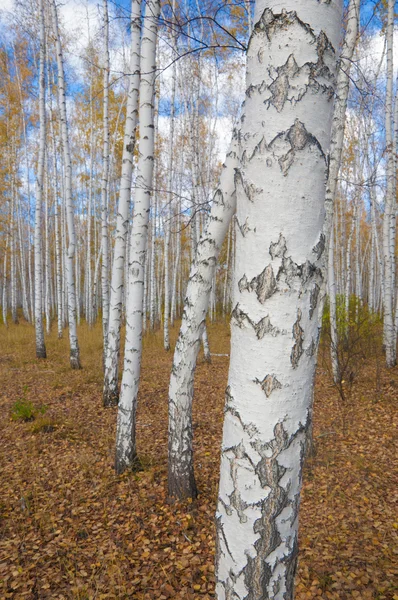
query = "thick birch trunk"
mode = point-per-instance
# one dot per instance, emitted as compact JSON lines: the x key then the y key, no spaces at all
{"x":40,"y":345}
{"x":180,"y":467}
{"x":110,"y":392}
{"x":126,"y":454}
{"x":74,"y":346}
{"x":278,"y":276}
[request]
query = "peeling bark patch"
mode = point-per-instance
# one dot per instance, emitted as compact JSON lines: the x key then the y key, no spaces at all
{"x":258,"y":573}
{"x":314,"y":295}
{"x":269,"y":384}
{"x":298,"y":335}
{"x":261,"y":328}
{"x":265,"y":284}
{"x":278,"y":249}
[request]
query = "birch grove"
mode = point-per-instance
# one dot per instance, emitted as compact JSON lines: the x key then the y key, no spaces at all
{"x":174,"y":170}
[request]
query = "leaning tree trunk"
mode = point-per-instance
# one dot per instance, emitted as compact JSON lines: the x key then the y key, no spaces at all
{"x":180,"y":466}
{"x":40,"y":344}
{"x":125,"y":435}
{"x":74,"y":346}
{"x":110,"y":392}
{"x":291,"y":73}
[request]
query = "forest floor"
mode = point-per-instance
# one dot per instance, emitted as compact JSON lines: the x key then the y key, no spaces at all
{"x":71,"y":529}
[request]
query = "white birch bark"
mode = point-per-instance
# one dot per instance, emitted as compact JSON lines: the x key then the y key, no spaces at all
{"x":40,"y":344}
{"x":336,"y":149}
{"x":125,"y":435}
{"x":285,"y":137}
{"x":110,"y":391}
{"x":13,"y":270}
{"x":4,"y":291}
{"x":74,"y":346}
{"x":181,"y":479}
{"x":176,"y":268}
{"x":104,"y":182}
{"x":47,"y":266}
{"x":152,"y":288}
{"x":389,"y":337}
{"x":334,"y":340}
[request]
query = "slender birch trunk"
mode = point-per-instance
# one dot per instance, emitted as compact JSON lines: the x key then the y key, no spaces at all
{"x":47,"y":266}
{"x":126,"y":454}
{"x":152,"y":305}
{"x":181,"y":480}
{"x":335,"y":154}
{"x":104,"y":183}
{"x":4,"y":293}
{"x":40,"y":344}
{"x":166,"y":333}
{"x":334,"y":340}
{"x":285,"y":141}
{"x":110,"y":392}
{"x":74,"y":346}
{"x":389,"y":337}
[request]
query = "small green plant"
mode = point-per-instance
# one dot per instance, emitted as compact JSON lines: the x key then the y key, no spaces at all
{"x":24,"y":410}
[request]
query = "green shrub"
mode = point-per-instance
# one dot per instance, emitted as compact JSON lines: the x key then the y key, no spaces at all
{"x":24,"y":410}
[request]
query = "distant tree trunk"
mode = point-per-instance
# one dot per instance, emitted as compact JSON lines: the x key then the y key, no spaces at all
{"x":181,"y":468}
{"x":74,"y":346}
{"x":126,"y":454}
{"x":334,"y":340}
{"x":285,"y":137}
{"x":336,"y":150}
{"x":110,"y":392}
{"x":47,"y":265}
{"x":4,"y":294}
{"x":40,"y":344}
{"x":169,"y":212}
{"x":104,"y":183}
{"x":389,"y":337}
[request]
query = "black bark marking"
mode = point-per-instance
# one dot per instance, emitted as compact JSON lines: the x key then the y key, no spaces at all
{"x":298,"y":336}
{"x":243,"y":228}
{"x":278,"y":249}
{"x":265,"y":284}
{"x":258,"y":573}
{"x":310,"y":351}
{"x":269,"y":384}
{"x":319,"y":247}
{"x":261,"y":328}
{"x":314,"y":295}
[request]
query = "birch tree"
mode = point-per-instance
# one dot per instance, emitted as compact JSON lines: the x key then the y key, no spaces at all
{"x":290,"y":81}
{"x":126,"y":454}
{"x":104,"y":181}
{"x":70,"y":255}
{"x":389,"y":337}
{"x":110,"y":393}
{"x":40,"y":344}
{"x":181,"y":478}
